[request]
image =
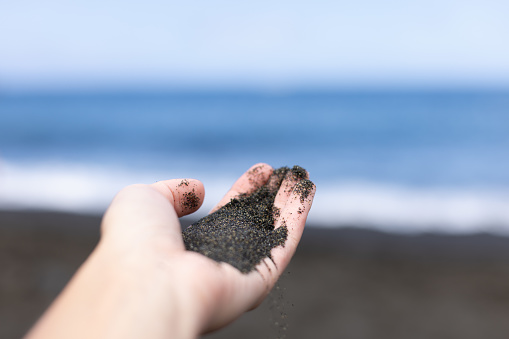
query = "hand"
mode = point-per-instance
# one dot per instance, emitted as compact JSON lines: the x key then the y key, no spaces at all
{"x":141,"y":282}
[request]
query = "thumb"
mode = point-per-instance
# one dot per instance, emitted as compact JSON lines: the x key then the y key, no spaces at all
{"x":141,"y":211}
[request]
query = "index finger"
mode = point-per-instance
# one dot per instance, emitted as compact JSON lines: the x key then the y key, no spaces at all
{"x":293,"y":216}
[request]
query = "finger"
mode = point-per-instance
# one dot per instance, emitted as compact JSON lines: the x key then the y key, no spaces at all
{"x":250,"y":181}
{"x":186,"y":195}
{"x":292,"y":177}
{"x":293,"y":215}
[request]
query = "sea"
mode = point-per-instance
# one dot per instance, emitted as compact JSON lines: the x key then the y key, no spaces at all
{"x":398,"y":161}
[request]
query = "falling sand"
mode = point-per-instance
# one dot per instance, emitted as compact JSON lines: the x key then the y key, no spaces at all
{"x":242,"y":233}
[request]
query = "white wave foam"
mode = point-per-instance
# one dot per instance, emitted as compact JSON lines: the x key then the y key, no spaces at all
{"x":405,"y":209}
{"x":78,"y":187}
{"x":89,"y":189}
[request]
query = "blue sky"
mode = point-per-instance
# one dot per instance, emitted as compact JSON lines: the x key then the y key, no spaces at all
{"x":263,"y":44}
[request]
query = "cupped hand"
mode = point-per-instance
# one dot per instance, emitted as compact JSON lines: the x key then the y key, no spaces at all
{"x":142,"y":277}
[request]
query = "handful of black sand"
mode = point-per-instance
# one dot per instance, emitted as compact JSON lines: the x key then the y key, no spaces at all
{"x":242,"y":232}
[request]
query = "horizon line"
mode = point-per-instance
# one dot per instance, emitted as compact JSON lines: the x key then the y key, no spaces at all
{"x":243,"y":90}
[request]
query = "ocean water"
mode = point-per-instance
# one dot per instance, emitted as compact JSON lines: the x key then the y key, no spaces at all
{"x":398,"y":161}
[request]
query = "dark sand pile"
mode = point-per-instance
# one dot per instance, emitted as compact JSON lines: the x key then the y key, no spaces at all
{"x":242,"y":232}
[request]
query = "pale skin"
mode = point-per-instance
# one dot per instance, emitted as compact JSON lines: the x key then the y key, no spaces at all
{"x":140,"y":282}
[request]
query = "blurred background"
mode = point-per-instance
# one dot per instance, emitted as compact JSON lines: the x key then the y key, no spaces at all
{"x":399,"y":111}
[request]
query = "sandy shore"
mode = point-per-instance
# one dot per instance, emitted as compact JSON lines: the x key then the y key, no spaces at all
{"x":342,"y":283}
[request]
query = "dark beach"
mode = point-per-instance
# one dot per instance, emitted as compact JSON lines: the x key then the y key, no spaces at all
{"x":342,"y":283}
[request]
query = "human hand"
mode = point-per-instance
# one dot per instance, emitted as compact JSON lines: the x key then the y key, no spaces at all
{"x":141,"y":282}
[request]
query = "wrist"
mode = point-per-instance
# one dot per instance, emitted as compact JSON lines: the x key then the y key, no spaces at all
{"x":146,"y":295}
{"x":118,"y":296}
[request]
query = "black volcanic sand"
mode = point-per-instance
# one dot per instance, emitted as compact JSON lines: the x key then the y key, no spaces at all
{"x":242,"y":232}
{"x":341,"y":283}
